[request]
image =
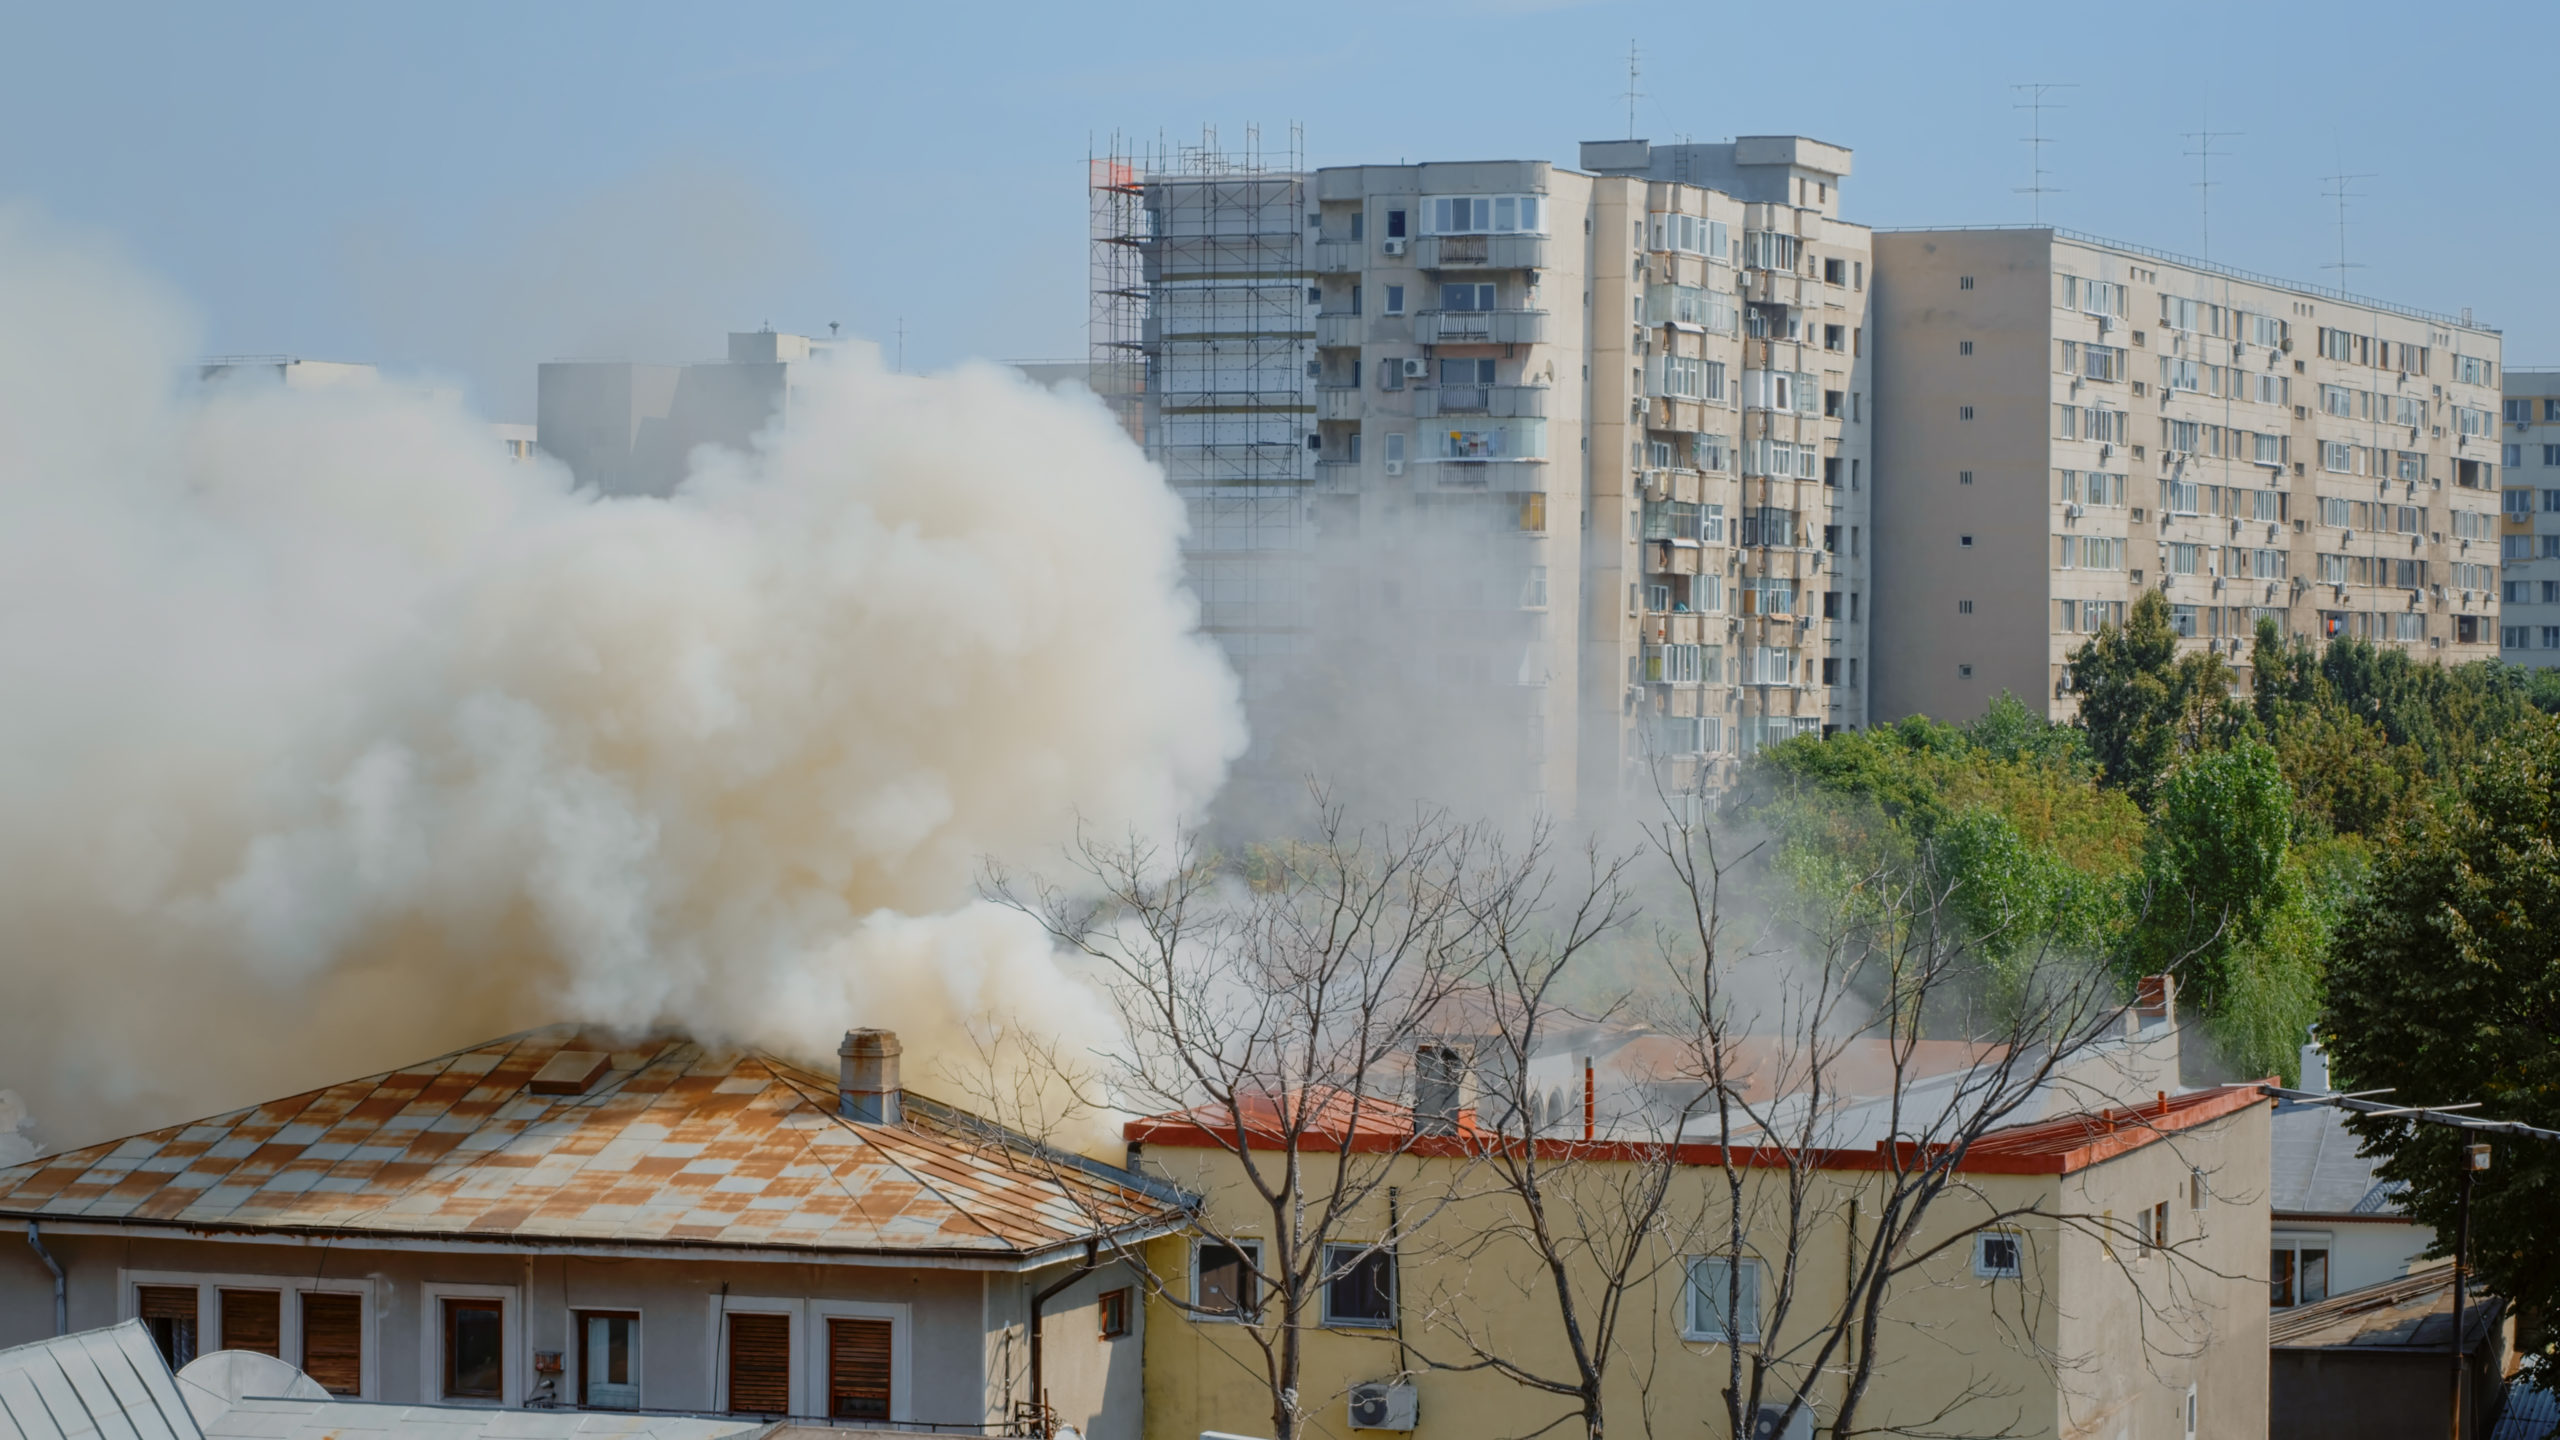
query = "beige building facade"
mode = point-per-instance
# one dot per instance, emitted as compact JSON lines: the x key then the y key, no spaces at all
{"x":2064,"y":422}
{"x":1579,"y":510}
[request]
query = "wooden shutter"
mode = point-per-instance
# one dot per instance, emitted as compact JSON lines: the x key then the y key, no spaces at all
{"x":333,"y":1341}
{"x":169,"y":1313}
{"x":759,"y":1364}
{"x":253,"y":1320}
{"x":858,"y":1369}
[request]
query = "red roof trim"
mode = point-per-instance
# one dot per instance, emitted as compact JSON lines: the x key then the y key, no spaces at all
{"x":2047,"y":1147}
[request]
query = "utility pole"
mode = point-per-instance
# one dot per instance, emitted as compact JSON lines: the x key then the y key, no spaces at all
{"x":2475,"y":1158}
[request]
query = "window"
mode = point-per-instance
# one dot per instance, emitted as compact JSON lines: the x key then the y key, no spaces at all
{"x":1360,"y":1288}
{"x":1690,"y":234}
{"x":333,"y":1340}
{"x":1769,"y":250}
{"x":1466,"y":296}
{"x":1724,"y":1299}
{"x":2551,"y":454}
{"x":2102,"y":362}
{"x":1395,"y":224}
{"x":2551,"y":637}
{"x":1964,"y":412}
{"x":1998,"y":1255}
{"x":1964,"y":542}
{"x":2511,"y":456}
{"x":1964,"y":477}
{"x":1836,"y":337}
{"x":2519,"y":412}
{"x":2155,"y":1228}
{"x":1113,"y":1309}
{"x":2299,"y":1269}
{"x":1486,"y":214}
{"x":759,"y":1364}
{"x":2337,"y":457}
{"x":169,"y":1313}
{"x":2518,"y":504}
{"x":475,"y":1350}
{"x":1964,"y":282}
{"x":858,"y":1373}
{"x":1223,"y":1281}
{"x":2471,"y":369}
{"x":608,"y":1360}
{"x":253,"y":1320}
{"x":1395,"y":300}
{"x":1963,"y":347}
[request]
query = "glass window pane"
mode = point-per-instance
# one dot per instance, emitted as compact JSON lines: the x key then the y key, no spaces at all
{"x":474,"y":1350}
{"x":2280,"y":1271}
{"x":2314,"y":1272}
{"x":605,"y":1373}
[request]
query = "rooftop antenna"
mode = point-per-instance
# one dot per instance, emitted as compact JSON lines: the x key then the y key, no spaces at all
{"x":902,"y":345}
{"x":2205,"y":155}
{"x":2038,"y":101}
{"x":832,"y":327}
{"x":2342,"y":189}
{"x":1635,"y":70}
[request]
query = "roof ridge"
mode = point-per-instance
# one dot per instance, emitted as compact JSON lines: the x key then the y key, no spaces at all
{"x":791,"y":1077}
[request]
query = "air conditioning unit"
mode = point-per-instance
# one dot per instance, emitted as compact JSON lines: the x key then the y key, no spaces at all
{"x":2106,"y":323}
{"x":1764,"y":1424}
{"x":1384,"y":1405}
{"x":1416,"y":368}
{"x":1392,"y":247}
{"x":1395,"y":467}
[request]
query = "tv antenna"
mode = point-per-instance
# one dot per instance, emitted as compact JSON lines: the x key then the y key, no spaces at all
{"x":2039,"y":100}
{"x":902,"y":345}
{"x":2205,"y":154}
{"x":1635,"y":71}
{"x":2342,"y":189}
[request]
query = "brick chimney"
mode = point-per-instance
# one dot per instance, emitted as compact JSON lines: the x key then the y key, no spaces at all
{"x":867,"y":1077}
{"x":1439,"y":1088}
{"x":2155,"y":1000}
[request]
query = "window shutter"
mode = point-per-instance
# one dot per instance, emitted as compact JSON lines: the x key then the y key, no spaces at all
{"x":253,"y":1320}
{"x":169,"y":1313}
{"x":759,"y":1364}
{"x":858,"y":1369}
{"x":333,"y":1341}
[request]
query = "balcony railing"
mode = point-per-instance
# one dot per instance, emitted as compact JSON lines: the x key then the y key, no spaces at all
{"x":1478,"y":327}
{"x":1333,"y":257}
{"x":1481,"y":252}
{"x":1340,"y":329}
{"x":1338,"y":402}
{"x":1505,"y":401}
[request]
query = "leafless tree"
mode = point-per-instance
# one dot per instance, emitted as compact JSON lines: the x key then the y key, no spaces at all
{"x":1270,"y":1003}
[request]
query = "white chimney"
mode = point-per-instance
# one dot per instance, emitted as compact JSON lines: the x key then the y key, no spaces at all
{"x":867,"y":1077}
{"x":2315,"y":1065}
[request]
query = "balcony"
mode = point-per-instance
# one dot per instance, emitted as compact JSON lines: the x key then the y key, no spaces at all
{"x":1502,"y":401}
{"x":1476,"y":327}
{"x":1481,"y":252}
{"x":1340,"y":328}
{"x":1337,"y":257}
{"x":1338,"y":402}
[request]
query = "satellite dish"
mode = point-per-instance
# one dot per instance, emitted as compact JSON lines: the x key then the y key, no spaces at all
{"x":214,"y":1383}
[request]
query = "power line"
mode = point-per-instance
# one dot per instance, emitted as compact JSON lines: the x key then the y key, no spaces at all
{"x":2036,"y":103}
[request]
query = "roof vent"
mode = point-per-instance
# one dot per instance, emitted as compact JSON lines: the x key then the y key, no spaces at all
{"x":569,"y":1073}
{"x":867,"y":1077}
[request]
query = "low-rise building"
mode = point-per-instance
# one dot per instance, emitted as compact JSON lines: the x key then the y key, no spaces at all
{"x":571,"y":1218}
{"x":628,"y":427}
{"x":2337,"y":1225}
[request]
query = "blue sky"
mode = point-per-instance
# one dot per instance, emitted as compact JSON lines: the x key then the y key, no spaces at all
{"x":471,"y":188}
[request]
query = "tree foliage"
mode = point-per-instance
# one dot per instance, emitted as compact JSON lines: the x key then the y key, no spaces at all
{"x":2445,"y":987}
{"x":2143,"y":704}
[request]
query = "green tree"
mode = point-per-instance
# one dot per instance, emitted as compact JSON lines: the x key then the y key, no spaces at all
{"x":2221,"y":903}
{"x":2143,"y":704}
{"x":2444,"y":987}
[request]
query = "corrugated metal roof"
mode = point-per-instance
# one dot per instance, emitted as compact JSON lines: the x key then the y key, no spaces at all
{"x":2313,"y":1167}
{"x":2407,"y":1312}
{"x":266,"y":1419}
{"x":674,"y":1144}
{"x":2531,"y":1413}
{"x":96,"y":1385}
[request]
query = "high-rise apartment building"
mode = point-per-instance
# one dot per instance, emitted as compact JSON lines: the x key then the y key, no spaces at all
{"x":2064,"y":422}
{"x":1519,"y":478}
{"x":2529,"y":532}
{"x":630,"y":428}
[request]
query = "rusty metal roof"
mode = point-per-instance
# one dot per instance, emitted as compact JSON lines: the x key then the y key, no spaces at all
{"x":671,"y":1144}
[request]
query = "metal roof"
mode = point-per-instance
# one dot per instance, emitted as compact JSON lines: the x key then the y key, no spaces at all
{"x":280,"y":1419}
{"x":96,"y":1385}
{"x":2405,"y":1313}
{"x":673,"y":1144}
{"x":2313,"y":1167}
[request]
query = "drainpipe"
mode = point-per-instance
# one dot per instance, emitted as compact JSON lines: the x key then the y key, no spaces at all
{"x":1039,"y":1385}
{"x":61,"y":1289}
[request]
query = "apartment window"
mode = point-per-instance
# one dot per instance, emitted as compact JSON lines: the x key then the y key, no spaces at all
{"x":1395,"y":300}
{"x":1223,"y":1280}
{"x":759,"y":1364}
{"x":1724,"y":1300}
{"x":1998,"y":1254}
{"x":333,"y":1340}
{"x":1835,"y":272}
{"x":1836,"y":337}
{"x":1964,"y":542}
{"x":2155,"y":1228}
{"x":169,"y":1313}
{"x":2511,"y":456}
{"x":1830,"y":604}
{"x":475,"y":1349}
{"x":1113,"y":1308}
{"x":1963,"y":347}
{"x":1964,"y":672}
{"x":1964,"y":607}
{"x":253,"y":1320}
{"x":1395,"y":224}
{"x":1359,"y":225}
{"x":1964,"y":412}
{"x":1486,"y":214}
{"x":1464,"y":296}
{"x":608,"y":1360}
{"x":2551,"y":637}
{"x":2518,"y":503}
{"x":1361,"y":1288}
{"x":2550,"y":410}
{"x":2299,"y":1267}
{"x":1835,"y":406}
{"x":2519,"y":412}
{"x":858,"y":1368}
{"x":1964,"y":477}
{"x":1964,"y":282}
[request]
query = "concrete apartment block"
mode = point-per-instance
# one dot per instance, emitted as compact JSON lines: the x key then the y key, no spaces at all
{"x":1584,"y":454}
{"x":630,"y":428}
{"x":2064,"y":422}
{"x":2529,"y":532}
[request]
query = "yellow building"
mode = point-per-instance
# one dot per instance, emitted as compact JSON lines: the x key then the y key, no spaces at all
{"x":2090,"y":1274}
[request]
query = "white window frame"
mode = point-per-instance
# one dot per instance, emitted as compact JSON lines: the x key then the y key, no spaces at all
{"x":901,"y":1318}
{"x":1324,"y":1302}
{"x":1982,"y":1265}
{"x":288,"y":1321}
{"x":1252,"y":1250}
{"x":574,"y":1364}
{"x":511,"y":1347}
{"x":1691,"y":1294}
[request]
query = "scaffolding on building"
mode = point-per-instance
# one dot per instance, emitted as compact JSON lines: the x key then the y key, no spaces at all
{"x":1202,"y":340}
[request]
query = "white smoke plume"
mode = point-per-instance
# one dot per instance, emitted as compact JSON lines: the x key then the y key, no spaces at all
{"x":333,"y":738}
